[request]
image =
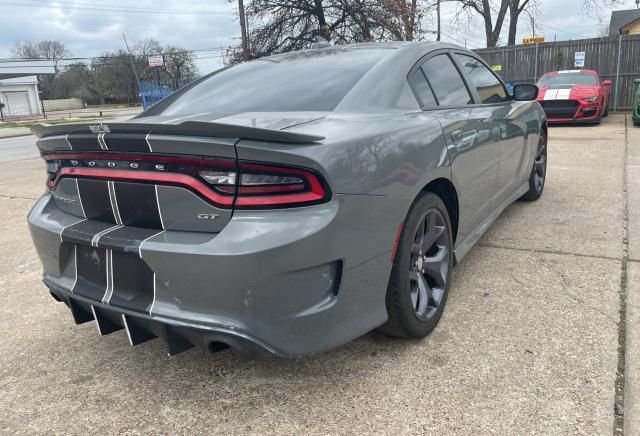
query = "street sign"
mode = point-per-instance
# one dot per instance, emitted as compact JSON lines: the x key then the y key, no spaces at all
{"x":579,"y":59}
{"x":533,"y":40}
{"x":156,"y":61}
{"x":496,"y":68}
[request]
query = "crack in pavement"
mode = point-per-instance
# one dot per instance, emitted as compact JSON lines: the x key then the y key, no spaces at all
{"x":541,"y":251}
{"x":11,"y":197}
{"x":618,"y":405}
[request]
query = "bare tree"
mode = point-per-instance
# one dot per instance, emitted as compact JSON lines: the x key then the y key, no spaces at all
{"x":49,"y":50}
{"x":516,"y":8}
{"x":243,"y":29}
{"x":285,"y":25}
{"x":399,"y":20}
{"x":26,"y":50}
{"x":487,"y":9}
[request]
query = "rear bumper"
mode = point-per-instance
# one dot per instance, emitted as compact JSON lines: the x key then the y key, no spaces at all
{"x":139,"y":327}
{"x":287,"y":282}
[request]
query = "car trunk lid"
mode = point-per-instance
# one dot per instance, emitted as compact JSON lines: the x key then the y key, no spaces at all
{"x":155,"y":176}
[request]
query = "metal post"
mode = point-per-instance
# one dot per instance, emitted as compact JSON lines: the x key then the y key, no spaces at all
{"x":535,"y":68}
{"x":615,"y":101}
{"x":133,"y":67}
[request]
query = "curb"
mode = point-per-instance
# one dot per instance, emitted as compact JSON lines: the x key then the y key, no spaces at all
{"x":15,"y":136}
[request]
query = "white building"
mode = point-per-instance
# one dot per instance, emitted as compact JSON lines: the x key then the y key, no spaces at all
{"x":19,"y":87}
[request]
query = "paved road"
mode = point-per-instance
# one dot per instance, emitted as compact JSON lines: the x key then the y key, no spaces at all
{"x":529,"y":342}
{"x":22,"y":147}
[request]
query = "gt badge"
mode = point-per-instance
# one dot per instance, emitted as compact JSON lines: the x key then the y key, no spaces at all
{"x":207,"y":216}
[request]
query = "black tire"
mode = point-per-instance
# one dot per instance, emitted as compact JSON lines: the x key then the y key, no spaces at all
{"x":636,"y":123}
{"x":410,"y":315}
{"x":538,"y":175}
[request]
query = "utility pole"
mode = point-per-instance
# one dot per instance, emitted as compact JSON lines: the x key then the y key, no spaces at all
{"x":533,"y":25}
{"x":133,"y":67}
{"x":243,"y":30}
{"x":438,"y":15}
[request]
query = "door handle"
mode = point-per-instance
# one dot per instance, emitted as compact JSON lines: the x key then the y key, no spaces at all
{"x":456,"y":137}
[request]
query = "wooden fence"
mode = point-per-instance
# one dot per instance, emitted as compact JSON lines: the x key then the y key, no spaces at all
{"x":615,"y":58}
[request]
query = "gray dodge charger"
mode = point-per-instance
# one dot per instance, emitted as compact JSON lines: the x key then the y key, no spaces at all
{"x":288,"y":204}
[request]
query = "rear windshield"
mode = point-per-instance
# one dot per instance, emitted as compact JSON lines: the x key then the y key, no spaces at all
{"x":314,"y":80}
{"x":568,"y":79}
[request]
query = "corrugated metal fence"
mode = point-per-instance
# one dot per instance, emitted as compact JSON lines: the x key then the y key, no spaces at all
{"x":615,"y":58}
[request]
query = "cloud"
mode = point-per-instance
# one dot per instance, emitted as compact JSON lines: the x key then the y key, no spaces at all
{"x":555,"y":19}
{"x":89,"y":32}
{"x":90,"y":29}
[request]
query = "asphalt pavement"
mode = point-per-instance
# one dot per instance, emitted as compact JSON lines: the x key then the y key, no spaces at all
{"x":21,"y":147}
{"x":531,"y":341}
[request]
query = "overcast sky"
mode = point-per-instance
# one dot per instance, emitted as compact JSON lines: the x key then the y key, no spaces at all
{"x":89,"y":28}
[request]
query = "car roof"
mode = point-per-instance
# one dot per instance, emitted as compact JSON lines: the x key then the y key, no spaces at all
{"x":390,"y":45}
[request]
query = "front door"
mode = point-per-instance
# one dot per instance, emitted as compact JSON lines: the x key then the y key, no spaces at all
{"x":473,"y":154}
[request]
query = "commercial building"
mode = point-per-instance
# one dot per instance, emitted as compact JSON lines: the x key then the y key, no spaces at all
{"x":19,"y":87}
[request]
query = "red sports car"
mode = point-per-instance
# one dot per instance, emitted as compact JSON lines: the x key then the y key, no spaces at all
{"x":574,"y":96}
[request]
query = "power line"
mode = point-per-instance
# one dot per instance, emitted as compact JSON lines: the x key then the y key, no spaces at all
{"x":201,"y":53}
{"x":121,"y":9}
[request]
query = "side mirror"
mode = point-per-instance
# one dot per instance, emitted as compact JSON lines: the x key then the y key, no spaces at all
{"x":525,"y":92}
{"x":607,"y":83}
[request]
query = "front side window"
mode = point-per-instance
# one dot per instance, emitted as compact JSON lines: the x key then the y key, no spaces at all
{"x":489,"y":88}
{"x":446,"y":81}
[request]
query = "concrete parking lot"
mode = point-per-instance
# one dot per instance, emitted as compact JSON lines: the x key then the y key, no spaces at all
{"x":531,"y":341}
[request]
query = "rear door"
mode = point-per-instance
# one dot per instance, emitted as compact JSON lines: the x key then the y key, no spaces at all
{"x":473,"y":155}
{"x":495,"y":110}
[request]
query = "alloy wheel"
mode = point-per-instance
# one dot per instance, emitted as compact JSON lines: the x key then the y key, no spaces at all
{"x":540,"y":165}
{"x":429,"y":267}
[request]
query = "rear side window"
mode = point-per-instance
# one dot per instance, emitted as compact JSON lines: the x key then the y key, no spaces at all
{"x":446,"y":81}
{"x":422,"y":89}
{"x":489,"y":88}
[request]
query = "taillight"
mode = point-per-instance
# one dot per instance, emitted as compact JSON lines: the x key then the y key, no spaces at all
{"x":245,"y":185}
{"x":268,"y":186}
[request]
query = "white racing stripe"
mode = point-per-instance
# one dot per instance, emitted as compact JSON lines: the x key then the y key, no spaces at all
{"x":153,"y":302}
{"x":146,"y":138}
{"x":80,"y":198}
{"x":75,"y":266}
{"x":114,"y":202}
{"x":126,"y":327}
{"x":66,"y":227}
{"x":108,"y":293}
{"x":101,"y":142}
{"x":96,"y":238}
{"x":159,"y":211}
{"x":145,"y":240}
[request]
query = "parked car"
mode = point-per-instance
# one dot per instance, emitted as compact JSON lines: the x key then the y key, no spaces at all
{"x":287,"y":204}
{"x":574,"y":96}
{"x":636,"y":104}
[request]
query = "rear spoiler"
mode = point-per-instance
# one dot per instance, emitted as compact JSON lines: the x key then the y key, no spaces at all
{"x":187,"y":128}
